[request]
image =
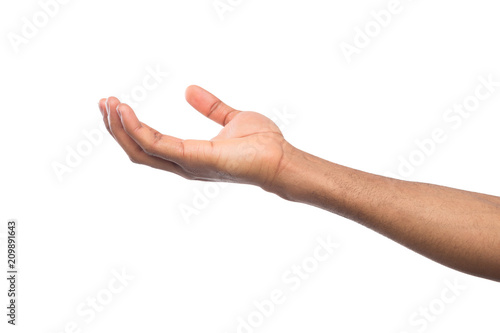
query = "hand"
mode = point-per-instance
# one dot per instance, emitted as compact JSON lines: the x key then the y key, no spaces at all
{"x":249,"y":149}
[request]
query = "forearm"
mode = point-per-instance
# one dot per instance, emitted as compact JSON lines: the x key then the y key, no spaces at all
{"x":457,"y":228}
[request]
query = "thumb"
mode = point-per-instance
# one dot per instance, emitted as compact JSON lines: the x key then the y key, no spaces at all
{"x":209,"y":105}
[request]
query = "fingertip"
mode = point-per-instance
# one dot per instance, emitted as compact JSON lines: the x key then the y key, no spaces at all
{"x":192,"y":87}
{"x":118,"y":110}
{"x":106,"y":104}
{"x":191,"y":93}
{"x":101,"y":105}
{"x":199,"y":98}
{"x":127,"y":116}
{"x":112,"y":100}
{"x":122,"y":107}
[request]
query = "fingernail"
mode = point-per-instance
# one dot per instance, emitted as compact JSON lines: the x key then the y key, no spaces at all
{"x":100,"y":109}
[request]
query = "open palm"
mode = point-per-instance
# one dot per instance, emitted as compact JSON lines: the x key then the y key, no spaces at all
{"x":249,"y":148}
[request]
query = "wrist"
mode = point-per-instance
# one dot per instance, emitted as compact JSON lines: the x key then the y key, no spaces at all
{"x":293,"y":174}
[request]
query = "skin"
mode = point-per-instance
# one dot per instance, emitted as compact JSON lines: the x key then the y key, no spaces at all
{"x":456,"y":228}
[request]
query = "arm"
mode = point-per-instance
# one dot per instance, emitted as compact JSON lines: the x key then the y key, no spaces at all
{"x":457,"y":228}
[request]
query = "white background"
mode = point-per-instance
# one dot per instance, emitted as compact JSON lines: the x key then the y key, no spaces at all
{"x":109,"y":214}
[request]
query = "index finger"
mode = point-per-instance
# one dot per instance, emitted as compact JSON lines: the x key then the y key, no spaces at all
{"x":164,"y":146}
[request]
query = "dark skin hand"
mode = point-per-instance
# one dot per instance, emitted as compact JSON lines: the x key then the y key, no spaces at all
{"x":248,"y":149}
{"x":459,"y":229}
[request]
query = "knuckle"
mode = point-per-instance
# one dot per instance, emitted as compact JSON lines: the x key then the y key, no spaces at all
{"x":226,"y":117}
{"x":135,"y":159}
{"x":214,"y":107}
{"x":189,"y":177}
{"x":148,"y":148}
{"x":182,"y":150}
{"x":151,"y":146}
